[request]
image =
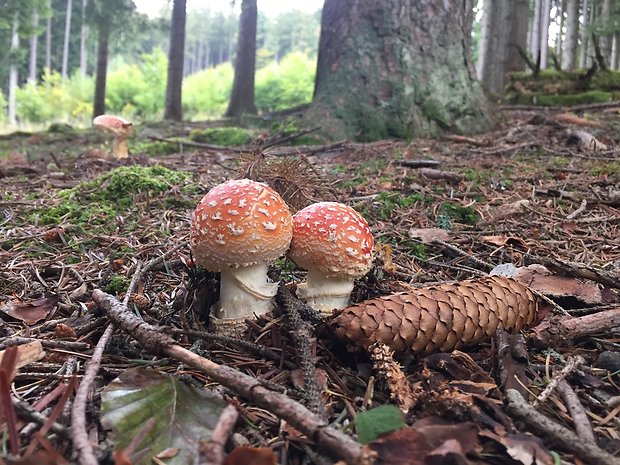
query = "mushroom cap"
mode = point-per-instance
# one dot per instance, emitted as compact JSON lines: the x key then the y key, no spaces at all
{"x":113,"y":124}
{"x":332,"y":238}
{"x":240,"y":223}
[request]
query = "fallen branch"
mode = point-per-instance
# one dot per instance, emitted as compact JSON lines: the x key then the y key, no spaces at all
{"x":576,"y":270}
{"x":200,"y":145}
{"x":588,"y":452}
{"x":336,"y":444}
{"x":577,"y":412}
{"x":212,"y":452}
{"x":418,"y":163}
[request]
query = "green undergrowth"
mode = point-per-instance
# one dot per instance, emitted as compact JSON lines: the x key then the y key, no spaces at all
{"x":226,"y":137}
{"x":154,"y":148}
{"x":100,"y":200}
{"x":450,"y":213}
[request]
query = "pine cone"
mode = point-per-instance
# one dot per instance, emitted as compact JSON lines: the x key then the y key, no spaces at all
{"x":438,"y":318}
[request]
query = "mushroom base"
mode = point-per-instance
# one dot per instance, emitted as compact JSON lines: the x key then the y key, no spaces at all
{"x":325,"y":294}
{"x":120,"y":148}
{"x":245,"y":293}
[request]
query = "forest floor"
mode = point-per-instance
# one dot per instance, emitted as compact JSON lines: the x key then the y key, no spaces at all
{"x":544,"y":188}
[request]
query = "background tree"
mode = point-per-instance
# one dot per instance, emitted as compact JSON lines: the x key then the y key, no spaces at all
{"x":395,"y":69}
{"x":569,"y":50}
{"x":173,"y":109}
{"x":242,"y":95}
{"x":65,"y":48}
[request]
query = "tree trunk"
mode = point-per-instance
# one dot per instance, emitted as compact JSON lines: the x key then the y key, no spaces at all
{"x":102,"y":68}
{"x":613,"y":60}
{"x":485,"y":36}
{"x":559,"y":19}
{"x":242,"y":95}
{"x":173,"y":109}
{"x":395,"y":68}
{"x":545,"y":18}
{"x":48,"y":40}
{"x":507,"y":32}
{"x":569,"y":49}
{"x":585,"y":40}
{"x":65,"y":48}
{"x":604,"y":39}
{"x":535,"y":39}
{"x":13,"y":76}
{"x":34,"y":41}
{"x":83,"y":41}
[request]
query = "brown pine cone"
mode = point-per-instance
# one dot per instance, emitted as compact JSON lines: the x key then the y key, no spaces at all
{"x":438,"y":318}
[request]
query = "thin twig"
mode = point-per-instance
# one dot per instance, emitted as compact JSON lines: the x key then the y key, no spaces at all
{"x":571,"y":365}
{"x":212,"y":453}
{"x":577,"y":412}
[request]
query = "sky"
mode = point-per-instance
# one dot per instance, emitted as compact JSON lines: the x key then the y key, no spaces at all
{"x":269,"y":7}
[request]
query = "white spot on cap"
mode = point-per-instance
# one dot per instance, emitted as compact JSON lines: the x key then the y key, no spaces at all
{"x":233,"y":212}
{"x":227,"y":201}
{"x":212,"y":203}
{"x":264,"y":211}
{"x":217,"y":216}
{"x":351,"y":251}
{"x":243,"y":202}
{"x":236,"y":231}
{"x":269,"y":226}
{"x":353,"y":238}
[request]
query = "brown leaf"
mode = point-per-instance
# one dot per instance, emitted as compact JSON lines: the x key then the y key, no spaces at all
{"x":251,"y":456}
{"x":428,"y":235}
{"x":31,"y":312}
{"x":297,"y":377}
{"x":64,"y":331}
{"x":405,"y":446}
{"x":26,"y":354}
{"x":522,"y":448}
{"x":501,"y":241}
{"x":438,"y":431}
{"x":449,"y":453}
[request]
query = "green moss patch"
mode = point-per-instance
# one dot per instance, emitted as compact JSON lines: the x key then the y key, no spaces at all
{"x":451,"y":212}
{"x":226,"y":137}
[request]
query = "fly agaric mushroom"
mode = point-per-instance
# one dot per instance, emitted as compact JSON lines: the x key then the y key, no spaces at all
{"x":334,"y":243}
{"x":237,"y":228}
{"x":118,"y":126}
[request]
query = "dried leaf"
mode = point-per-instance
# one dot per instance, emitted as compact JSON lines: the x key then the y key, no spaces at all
{"x":404,"y":447}
{"x":31,"y":312}
{"x":501,"y":241}
{"x":522,"y":448}
{"x":251,"y":456}
{"x":450,"y":452}
{"x":26,"y":354}
{"x":183,"y":415}
{"x":428,"y":235}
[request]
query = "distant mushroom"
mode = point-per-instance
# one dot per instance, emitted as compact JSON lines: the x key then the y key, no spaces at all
{"x":334,"y":243}
{"x":118,"y":126}
{"x":238,"y":228}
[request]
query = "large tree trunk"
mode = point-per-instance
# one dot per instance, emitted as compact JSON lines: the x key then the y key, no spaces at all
{"x":485,"y":36}
{"x":34,"y":41}
{"x":605,"y":39}
{"x":535,"y":31}
{"x":83,"y":41}
{"x":569,"y":48}
{"x":242,"y":96}
{"x":395,"y":68}
{"x":613,"y":60}
{"x":585,"y":40}
{"x":507,"y":22}
{"x":48,"y":39}
{"x":545,"y":18}
{"x":65,"y":48}
{"x":173,"y":109}
{"x":13,"y":74}
{"x":102,"y":68}
{"x":559,"y":19}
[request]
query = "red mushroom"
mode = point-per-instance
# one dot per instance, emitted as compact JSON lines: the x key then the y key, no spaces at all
{"x":237,"y":228}
{"x":118,"y":126}
{"x":334,"y":243}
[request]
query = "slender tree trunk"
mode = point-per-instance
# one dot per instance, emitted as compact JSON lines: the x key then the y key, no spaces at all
{"x":34,"y":41}
{"x":13,"y":74}
{"x":83,"y":41}
{"x":507,"y":32}
{"x":485,"y":36}
{"x":559,"y":19}
{"x":604,"y":39}
{"x":535,"y":39}
{"x":613,"y":60}
{"x":585,"y":41}
{"x":102,"y":68}
{"x":65,"y":48}
{"x":48,"y":40}
{"x":173,"y":109}
{"x":569,"y":49}
{"x":395,"y":68}
{"x":545,"y":18}
{"x":242,"y":95}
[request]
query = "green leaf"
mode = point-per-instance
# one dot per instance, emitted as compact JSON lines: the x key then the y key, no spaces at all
{"x":183,"y":415}
{"x":374,"y":422}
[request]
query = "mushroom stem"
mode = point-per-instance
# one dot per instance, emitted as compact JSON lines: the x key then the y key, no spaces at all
{"x":244,"y":293}
{"x":120,"y":148}
{"x":325,"y":294}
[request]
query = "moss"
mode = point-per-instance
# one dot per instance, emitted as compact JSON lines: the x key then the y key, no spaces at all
{"x":388,"y":202}
{"x":226,"y":137}
{"x":117,"y":284}
{"x":60,"y":128}
{"x":606,"y":169}
{"x":592,"y":96}
{"x":154,"y":148}
{"x":292,"y":125}
{"x":452,"y":212}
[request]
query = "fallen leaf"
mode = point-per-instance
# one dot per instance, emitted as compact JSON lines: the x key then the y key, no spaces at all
{"x":297,"y":378}
{"x":450,"y":452}
{"x":370,"y":424}
{"x":31,"y":312}
{"x":404,"y":447}
{"x":26,"y":354}
{"x":429,"y":235}
{"x":501,"y":241}
{"x":182,"y":415}
{"x":251,"y":456}
{"x":522,"y":448}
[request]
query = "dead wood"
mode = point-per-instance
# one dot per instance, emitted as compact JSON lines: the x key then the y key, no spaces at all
{"x":336,"y":444}
{"x":431,"y":173}
{"x":212,"y":452}
{"x":200,"y":145}
{"x":418,"y":163}
{"x":576,"y":270}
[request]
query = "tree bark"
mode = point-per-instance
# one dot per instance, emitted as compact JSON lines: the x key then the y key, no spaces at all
{"x":545,"y":18}
{"x":48,"y":39}
{"x":613,"y":60}
{"x":173,"y":109}
{"x":242,"y":95}
{"x":559,"y":19}
{"x":507,"y":32}
{"x":585,"y":41}
{"x":395,"y":68}
{"x":604,"y":40}
{"x":569,"y":49}
{"x":13,"y":74}
{"x":65,"y":48}
{"x":102,"y":68}
{"x":485,"y":36}
{"x":83,"y":38}
{"x":535,"y":38}
{"x":34,"y":41}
